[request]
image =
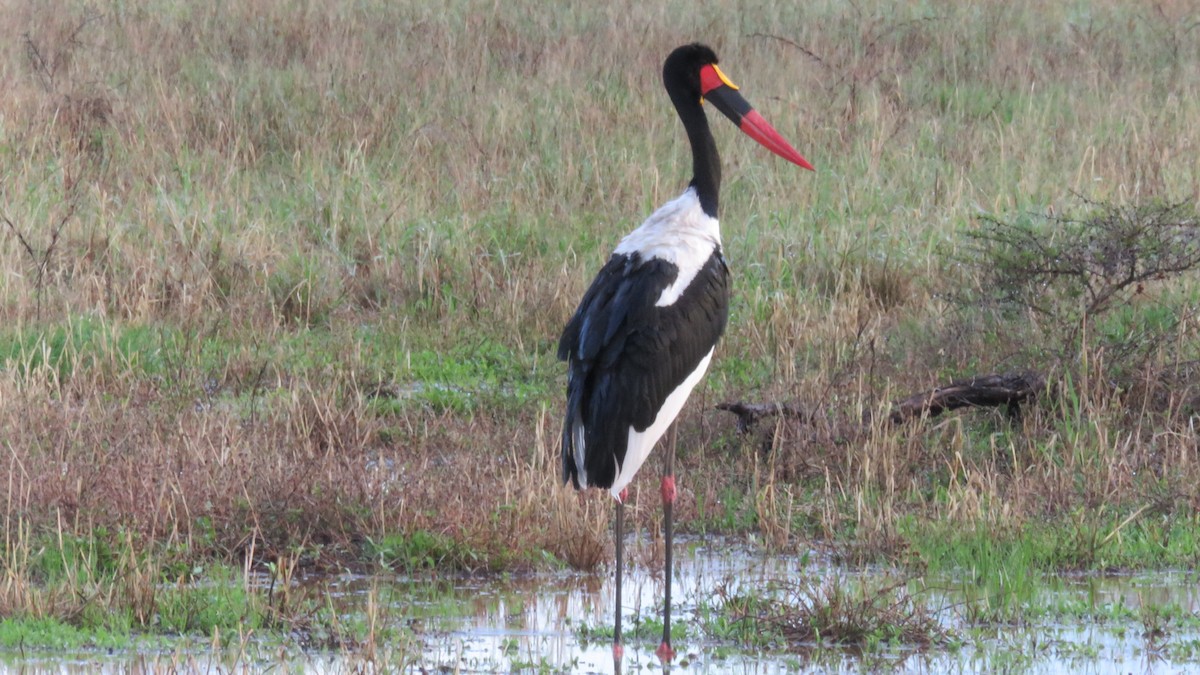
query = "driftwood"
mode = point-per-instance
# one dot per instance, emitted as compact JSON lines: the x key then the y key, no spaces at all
{"x":985,"y":391}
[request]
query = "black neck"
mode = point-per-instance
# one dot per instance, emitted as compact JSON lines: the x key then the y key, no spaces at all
{"x":706,"y":163}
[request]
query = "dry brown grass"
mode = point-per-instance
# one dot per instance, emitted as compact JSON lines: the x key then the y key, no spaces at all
{"x":301,"y":200}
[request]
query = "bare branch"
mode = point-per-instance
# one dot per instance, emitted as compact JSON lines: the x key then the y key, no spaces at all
{"x":20,"y":238}
{"x":749,"y":413}
{"x":803,"y":50}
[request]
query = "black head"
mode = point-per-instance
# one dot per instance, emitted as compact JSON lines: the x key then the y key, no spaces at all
{"x":681,"y":71}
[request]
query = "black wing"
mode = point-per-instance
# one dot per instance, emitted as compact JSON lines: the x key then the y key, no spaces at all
{"x":626,"y":355}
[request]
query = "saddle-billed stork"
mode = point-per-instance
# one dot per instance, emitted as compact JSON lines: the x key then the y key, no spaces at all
{"x":644,"y":333}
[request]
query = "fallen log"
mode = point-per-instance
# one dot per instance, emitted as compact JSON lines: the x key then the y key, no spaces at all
{"x":986,"y":391}
{"x":981,"y":391}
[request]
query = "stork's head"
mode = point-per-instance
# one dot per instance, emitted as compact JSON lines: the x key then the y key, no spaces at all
{"x":691,"y":74}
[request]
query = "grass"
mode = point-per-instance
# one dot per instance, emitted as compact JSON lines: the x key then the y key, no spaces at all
{"x":284,"y":283}
{"x":420,"y":551}
{"x":103,"y":591}
{"x":808,"y":614}
{"x":644,"y":630}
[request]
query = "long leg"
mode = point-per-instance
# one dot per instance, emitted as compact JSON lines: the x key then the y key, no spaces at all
{"x":665,"y":652}
{"x":619,"y":545}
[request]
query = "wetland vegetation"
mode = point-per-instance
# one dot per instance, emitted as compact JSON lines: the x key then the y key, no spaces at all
{"x":281,"y":284}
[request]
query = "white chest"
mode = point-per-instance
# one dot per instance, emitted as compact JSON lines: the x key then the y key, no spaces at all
{"x":679,"y":232}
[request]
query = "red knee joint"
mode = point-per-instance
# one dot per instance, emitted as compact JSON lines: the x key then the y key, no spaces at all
{"x":623,"y":496}
{"x":668,"y":489}
{"x":618,"y":651}
{"x":665,"y":653}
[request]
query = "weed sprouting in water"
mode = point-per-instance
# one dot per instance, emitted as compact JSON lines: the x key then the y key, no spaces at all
{"x":641,"y":628}
{"x":542,"y":665}
{"x":831,"y":612}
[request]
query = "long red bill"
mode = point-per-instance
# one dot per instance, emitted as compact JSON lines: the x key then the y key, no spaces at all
{"x":761,"y":130}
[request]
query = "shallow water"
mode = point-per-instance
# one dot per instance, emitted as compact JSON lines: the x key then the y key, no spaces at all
{"x":533,"y":623}
{"x":490,"y":624}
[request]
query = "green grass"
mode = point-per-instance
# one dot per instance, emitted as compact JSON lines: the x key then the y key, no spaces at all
{"x":85,"y":343}
{"x":420,"y":551}
{"x":53,"y":634}
{"x":1007,"y":576}
{"x":1081,"y":543}
{"x":104,"y":593}
{"x":646,"y":630}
